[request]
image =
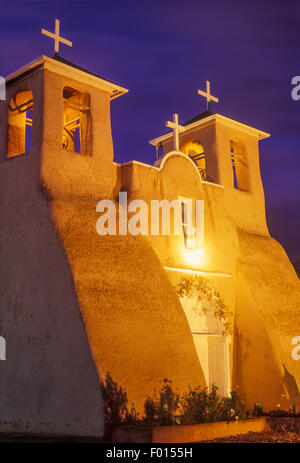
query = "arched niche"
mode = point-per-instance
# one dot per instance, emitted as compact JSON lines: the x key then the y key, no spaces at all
{"x":20,"y":123}
{"x":77,"y":126}
{"x":239,"y":164}
{"x":195,"y":150}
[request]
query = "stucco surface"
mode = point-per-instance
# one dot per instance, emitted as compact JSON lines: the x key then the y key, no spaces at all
{"x":135,"y":324}
{"x":250,"y":270}
{"x":267,"y":318}
{"x":49,"y":382}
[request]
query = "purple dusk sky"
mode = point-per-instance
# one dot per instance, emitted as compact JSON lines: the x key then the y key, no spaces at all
{"x":163,"y":51}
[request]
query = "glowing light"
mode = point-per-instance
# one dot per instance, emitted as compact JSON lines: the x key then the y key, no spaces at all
{"x":190,"y":243}
{"x":194,"y":257}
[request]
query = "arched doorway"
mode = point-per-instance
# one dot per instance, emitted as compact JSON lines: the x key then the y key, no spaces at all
{"x":203,"y":308}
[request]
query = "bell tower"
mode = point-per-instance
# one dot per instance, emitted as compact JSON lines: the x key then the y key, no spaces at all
{"x":56,"y":152}
{"x":226,"y":153}
{"x":68,"y":124}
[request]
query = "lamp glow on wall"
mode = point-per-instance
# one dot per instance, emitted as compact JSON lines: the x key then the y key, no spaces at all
{"x":193,"y":251}
{"x":194,"y":257}
{"x":193,"y":254}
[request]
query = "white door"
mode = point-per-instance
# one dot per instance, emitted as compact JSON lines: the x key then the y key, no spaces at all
{"x":217,"y":358}
{"x":210,"y":344}
{"x":213,"y":354}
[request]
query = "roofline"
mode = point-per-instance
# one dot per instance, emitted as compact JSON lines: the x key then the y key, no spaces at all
{"x":61,"y":68}
{"x":259,"y":134}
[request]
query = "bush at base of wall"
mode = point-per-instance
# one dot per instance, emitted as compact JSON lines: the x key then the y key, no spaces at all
{"x":167,"y":408}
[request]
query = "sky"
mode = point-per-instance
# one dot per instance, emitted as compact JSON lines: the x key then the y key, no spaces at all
{"x":163,"y":51}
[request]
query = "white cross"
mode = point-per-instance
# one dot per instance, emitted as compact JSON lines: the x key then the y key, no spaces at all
{"x":207,"y":95}
{"x":176,"y":130}
{"x":56,"y":37}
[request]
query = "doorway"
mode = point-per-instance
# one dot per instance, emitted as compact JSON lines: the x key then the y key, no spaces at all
{"x":211,"y":345}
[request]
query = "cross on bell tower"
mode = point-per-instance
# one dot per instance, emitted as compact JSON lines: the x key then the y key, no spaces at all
{"x":176,"y":131}
{"x":208,"y":95}
{"x":56,"y":37}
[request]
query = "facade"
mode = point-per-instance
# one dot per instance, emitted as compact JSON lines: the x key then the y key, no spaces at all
{"x":76,"y":305}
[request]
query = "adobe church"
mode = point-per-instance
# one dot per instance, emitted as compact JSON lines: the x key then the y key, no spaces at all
{"x":76,"y":305}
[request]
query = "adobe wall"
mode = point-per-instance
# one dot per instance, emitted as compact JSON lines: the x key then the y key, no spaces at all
{"x":132,"y":315}
{"x":267,"y":318}
{"x":49,"y":382}
{"x":134,"y":321}
{"x":265,"y":303}
{"x":135,"y":324}
{"x":178,"y":177}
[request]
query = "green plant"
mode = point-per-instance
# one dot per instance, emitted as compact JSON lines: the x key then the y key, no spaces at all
{"x":161,"y":409}
{"x":167,"y":408}
{"x":200,"y":405}
{"x":132,"y":416}
{"x":150,"y":410}
{"x":115,"y":401}
{"x":238,"y":402}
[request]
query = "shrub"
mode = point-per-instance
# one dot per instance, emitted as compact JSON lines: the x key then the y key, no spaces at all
{"x":115,"y":401}
{"x":150,"y":410}
{"x":161,"y":409}
{"x":167,"y":408}
{"x":115,"y":404}
{"x":132,"y":416}
{"x":238,"y":403}
{"x":200,"y":405}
